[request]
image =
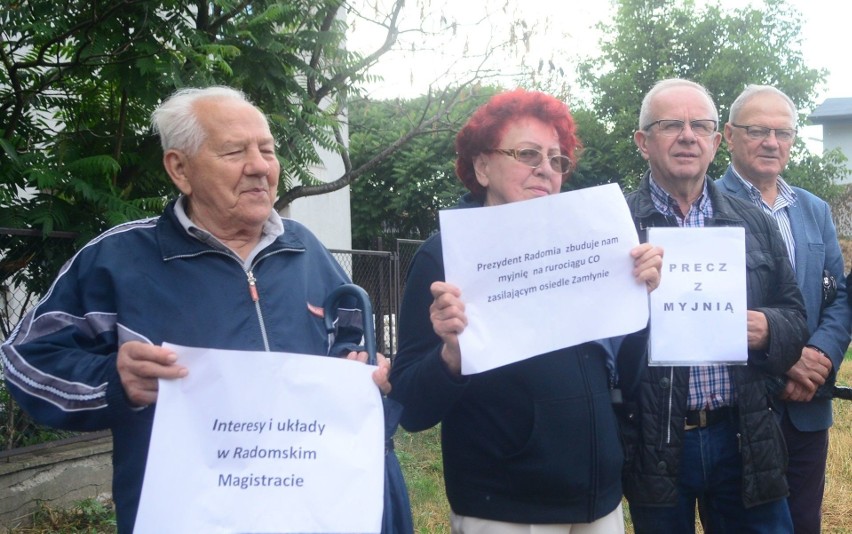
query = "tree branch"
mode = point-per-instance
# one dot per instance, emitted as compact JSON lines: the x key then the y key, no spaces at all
{"x":448,"y":100}
{"x":390,"y":39}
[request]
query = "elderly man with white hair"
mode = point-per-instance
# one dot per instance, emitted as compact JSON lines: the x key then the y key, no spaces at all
{"x":219,"y":269}
{"x":760,"y":133}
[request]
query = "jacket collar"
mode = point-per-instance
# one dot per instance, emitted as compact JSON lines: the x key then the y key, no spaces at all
{"x":175,"y":242}
{"x":733,"y":183}
{"x":469,"y":201}
{"x":647,"y":215}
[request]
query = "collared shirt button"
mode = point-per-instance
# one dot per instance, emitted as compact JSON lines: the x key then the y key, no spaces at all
{"x":665,"y":382}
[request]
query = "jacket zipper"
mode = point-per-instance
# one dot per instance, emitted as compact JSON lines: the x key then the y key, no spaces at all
{"x":644,"y":224}
{"x":593,"y":462}
{"x":671,"y":401}
{"x":255,"y":297}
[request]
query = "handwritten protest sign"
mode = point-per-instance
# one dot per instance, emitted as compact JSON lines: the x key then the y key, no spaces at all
{"x":543,"y":274}
{"x":265,"y":442}
{"x":698,"y":314}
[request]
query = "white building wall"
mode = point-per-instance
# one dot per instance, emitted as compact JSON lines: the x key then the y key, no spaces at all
{"x":839,"y":135}
{"x":327,"y":215}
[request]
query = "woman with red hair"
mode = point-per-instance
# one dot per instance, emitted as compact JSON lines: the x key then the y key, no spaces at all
{"x":532,"y":446}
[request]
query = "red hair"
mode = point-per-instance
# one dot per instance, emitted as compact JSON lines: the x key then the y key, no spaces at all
{"x":485,"y":128}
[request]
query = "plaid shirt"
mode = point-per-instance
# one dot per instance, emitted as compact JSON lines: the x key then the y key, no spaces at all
{"x":778,"y":211}
{"x":710,"y":386}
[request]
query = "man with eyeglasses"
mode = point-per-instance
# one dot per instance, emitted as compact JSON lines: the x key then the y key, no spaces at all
{"x":760,"y":133}
{"x":707,"y":432}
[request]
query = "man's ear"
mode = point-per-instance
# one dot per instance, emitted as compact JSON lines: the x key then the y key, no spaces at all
{"x":640,"y":137}
{"x":176,"y":164}
{"x":480,"y":167}
{"x":729,"y":133}
{"x":717,"y":141}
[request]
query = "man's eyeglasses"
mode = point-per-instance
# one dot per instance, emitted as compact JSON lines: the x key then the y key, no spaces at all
{"x":673,"y":128}
{"x":783,"y":135}
{"x":533,"y":157}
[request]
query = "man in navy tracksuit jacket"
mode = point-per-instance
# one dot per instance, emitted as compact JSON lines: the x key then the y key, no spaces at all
{"x":219,"y":269}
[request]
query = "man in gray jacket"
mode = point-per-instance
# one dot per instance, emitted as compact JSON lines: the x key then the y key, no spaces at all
{"x":708,"y":431}
{"x":760,"y":132}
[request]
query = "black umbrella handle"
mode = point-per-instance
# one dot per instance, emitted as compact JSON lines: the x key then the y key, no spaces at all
{"x":828,"y":391}
{"x":841,"y":392}
{"x":363,"y":301}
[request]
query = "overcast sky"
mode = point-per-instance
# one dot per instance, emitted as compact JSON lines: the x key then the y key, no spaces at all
{"x":569,"y":28}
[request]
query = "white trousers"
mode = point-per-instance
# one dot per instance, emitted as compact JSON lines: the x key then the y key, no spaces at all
{"x":613,"y":523}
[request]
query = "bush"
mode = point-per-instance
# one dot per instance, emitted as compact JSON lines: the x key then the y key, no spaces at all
{"x":89,"y":516}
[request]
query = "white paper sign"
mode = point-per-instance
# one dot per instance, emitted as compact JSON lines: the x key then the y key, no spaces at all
{"x":543,"y":274}
{"x":265,"y":442}
{"x":698,"y":314}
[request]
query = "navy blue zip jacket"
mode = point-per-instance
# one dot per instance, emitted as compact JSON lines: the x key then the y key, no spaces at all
{"x":150,"y":281}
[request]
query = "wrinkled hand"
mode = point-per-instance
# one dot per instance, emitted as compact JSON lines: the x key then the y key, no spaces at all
{"x":381,"y":376}
{"x":758,"y":330}
{"x":806,"y":375}
{"x":448,"y":321}
{"x":647,"y":263}
{"x":140,"y":365}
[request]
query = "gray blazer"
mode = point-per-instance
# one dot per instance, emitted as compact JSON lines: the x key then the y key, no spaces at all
{"x":817,"y":249}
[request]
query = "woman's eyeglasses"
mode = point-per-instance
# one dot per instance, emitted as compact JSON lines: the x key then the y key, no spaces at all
{"x":533,"y":157}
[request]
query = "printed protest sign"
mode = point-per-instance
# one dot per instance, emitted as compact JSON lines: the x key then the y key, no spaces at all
{"x":698,"y":314}
{"x":543,"y":274}
{"x":265,"y":442}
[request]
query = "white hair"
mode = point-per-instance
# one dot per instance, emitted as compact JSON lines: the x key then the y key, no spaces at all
{"x":175,"y":120}
{"x":645,"y":117}
{"x":752,"y":91}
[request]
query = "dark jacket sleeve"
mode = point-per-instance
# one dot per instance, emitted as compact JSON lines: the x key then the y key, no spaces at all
{"x":631,"y":362}
{"x":60,"y":362}
{"x":420,"y":380}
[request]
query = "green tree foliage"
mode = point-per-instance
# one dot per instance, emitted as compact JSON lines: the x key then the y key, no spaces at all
{"x":400,"y":196}
{"x":79,"y":79}
{"x":811,"y":170}
{"x":598,"y":162}
{"x":724,"y":50}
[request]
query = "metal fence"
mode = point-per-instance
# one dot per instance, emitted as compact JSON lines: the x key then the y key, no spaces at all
{"x":379,"y":272}
{"x":382,"y":275}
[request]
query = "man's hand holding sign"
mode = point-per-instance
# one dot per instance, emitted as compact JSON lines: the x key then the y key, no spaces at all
{"x":299,"y":450}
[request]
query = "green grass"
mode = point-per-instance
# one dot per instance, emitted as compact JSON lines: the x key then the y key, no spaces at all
{"x":420,"y":457}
